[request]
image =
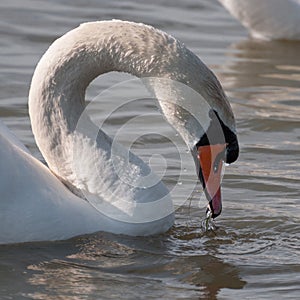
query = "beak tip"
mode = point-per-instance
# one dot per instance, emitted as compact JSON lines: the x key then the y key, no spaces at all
{"x":214,"y":212}
{"x":210,"y":163}
{"x":215,"y":204}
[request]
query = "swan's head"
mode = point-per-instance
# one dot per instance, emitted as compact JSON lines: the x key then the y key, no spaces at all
{"x":202,"y":115}
{"x":217,"y":146}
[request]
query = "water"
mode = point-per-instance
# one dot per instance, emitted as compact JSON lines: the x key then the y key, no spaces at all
{"x":254,"y":253}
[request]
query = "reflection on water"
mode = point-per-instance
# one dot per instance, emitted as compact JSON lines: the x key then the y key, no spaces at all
{"x":262,"y":78}
{"x":258,"y":67}
{"x":255,"y":250}
{"x":107,"y":265}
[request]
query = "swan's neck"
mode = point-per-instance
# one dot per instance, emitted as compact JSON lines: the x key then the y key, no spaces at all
{"x":56,"y":100}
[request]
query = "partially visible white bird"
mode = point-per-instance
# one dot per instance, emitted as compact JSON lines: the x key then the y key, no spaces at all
{"x":267,"y":19}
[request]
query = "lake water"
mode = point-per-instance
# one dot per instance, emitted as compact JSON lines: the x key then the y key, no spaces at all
{"x":255,"y":251}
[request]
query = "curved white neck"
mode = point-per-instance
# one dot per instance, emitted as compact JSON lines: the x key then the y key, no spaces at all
{"x":56,"y":100}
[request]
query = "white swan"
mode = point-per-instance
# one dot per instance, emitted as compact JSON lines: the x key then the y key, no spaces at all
{"x":267,"y":19}
{"x":113,"y":191}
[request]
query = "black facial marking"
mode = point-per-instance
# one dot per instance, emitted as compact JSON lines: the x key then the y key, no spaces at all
{"x":219,"y":133}
{"x":201,"y":178}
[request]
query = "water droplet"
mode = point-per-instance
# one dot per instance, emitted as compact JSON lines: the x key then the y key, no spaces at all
{"x":207,"y":223}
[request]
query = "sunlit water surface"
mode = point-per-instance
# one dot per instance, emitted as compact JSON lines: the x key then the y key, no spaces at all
{"x":255,"y":251}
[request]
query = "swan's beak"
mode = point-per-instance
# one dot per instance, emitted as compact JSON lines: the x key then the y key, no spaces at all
{"x":211,"y":159}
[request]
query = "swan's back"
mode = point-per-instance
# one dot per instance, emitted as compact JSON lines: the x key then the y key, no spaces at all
{"x":6,"y":134}
{"x":33,"y":202}
{"x":267,"y":19}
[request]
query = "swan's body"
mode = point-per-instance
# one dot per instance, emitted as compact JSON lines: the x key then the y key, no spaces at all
{"x":267,"y":19}
{"x":36,"y":206}
{"x":113,"y":189}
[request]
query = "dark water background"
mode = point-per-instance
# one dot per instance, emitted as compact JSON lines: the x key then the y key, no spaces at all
{"x":255,"y":251}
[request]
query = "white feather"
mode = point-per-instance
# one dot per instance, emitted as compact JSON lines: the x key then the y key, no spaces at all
{"x":122,"y":194}
{"x":267,"y":19}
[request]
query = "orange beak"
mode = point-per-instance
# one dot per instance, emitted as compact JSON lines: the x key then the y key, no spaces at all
{"x":211,"y":159}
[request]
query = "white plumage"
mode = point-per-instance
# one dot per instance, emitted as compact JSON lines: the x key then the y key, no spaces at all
{"x":34,"y":204}
{"x":267,"y":19}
